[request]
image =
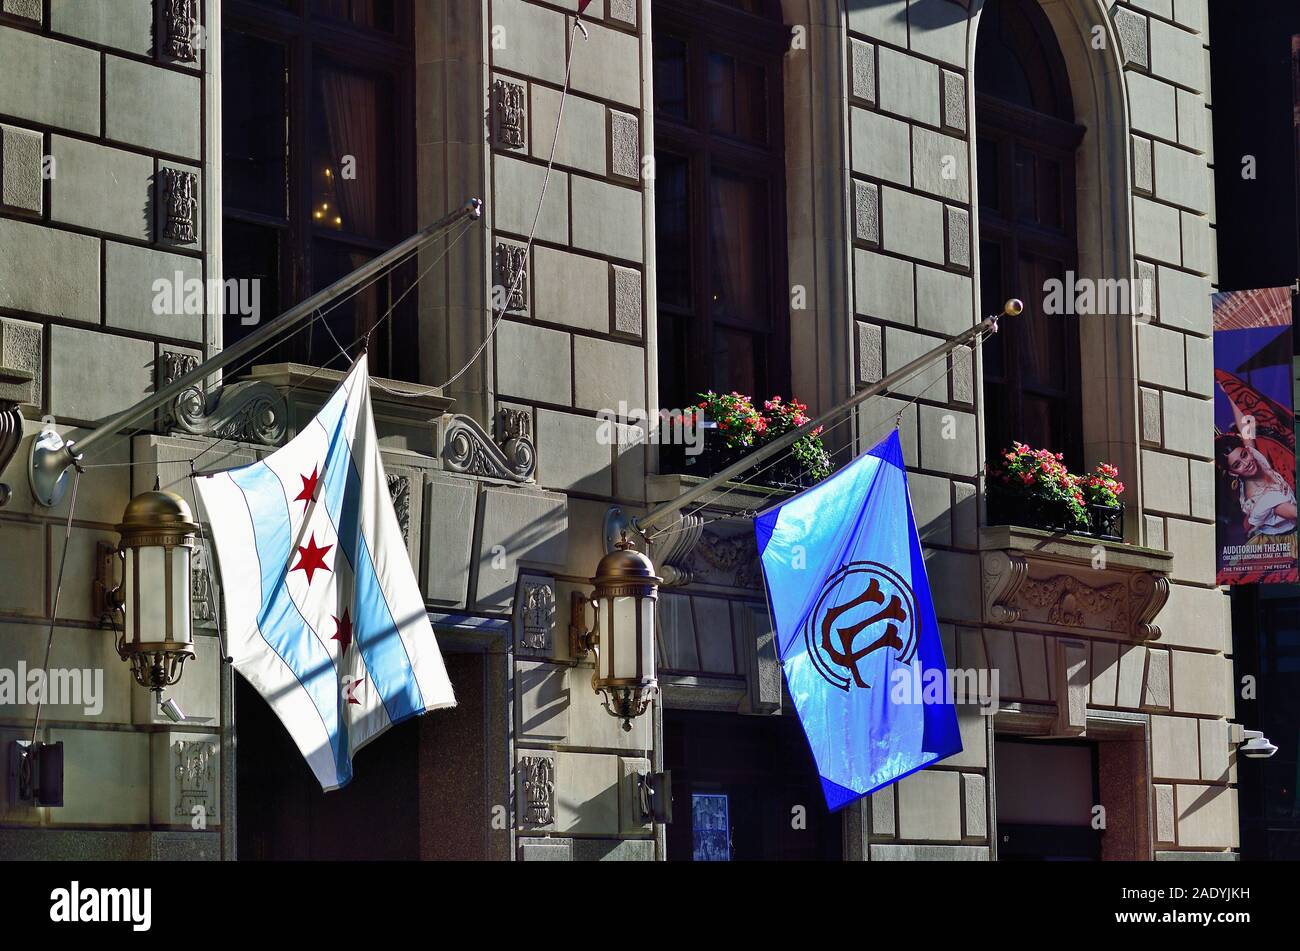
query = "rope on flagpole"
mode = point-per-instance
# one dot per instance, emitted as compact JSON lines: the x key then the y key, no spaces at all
{"x":532,"y":235}
{"x":58,"y":590}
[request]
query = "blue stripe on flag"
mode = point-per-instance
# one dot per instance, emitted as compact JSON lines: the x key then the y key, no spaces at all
{"x":280,"y":622}
{"x":374,"y":630}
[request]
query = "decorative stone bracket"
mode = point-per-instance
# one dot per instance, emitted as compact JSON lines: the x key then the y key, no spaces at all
{"x":11,"y":434}
{"x":464,"y":446}
{"x":1072,"y":585}
{"x":16,"y":388}
{"x":252,"y":411}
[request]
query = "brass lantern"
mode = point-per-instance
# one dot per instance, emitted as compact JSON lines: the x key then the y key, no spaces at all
{"x":625,"y":597}
{"x":157,"y":532}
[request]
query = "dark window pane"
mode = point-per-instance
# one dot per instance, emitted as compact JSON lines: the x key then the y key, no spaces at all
{"x":375,"y":14}
{"x":672,"y":231}
{"x":672,"y":363}
{"x":991,"y":300}
{"x":998,"y":420}
{"x":738,"y":250}
{"x":354,"y":164}
{"x":1023,"y":183}
{"x":1042,"y":337}
{"x":737,"y":98}
{"x":670,"y":77}
{"x":1049,"y":194}
{"x":253,"y":124}
{"x":990,"y":193}
{"x":737,"y":362}
{"x":352,"y":318}
{"x":251,"y":253}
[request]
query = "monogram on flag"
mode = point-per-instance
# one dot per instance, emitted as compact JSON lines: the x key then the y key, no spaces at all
{"x":324,"y":614}
{"x":850,"y":599}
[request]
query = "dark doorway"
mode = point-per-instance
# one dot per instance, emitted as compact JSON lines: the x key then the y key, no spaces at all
{"x":745,"y":789}
{"x":283,"y":814}
{"x":1046,"y":794}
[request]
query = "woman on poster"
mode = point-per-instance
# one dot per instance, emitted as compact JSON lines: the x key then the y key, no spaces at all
{"x":1256,"y":455}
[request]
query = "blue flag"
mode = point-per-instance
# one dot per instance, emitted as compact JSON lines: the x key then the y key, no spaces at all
{"x":856,"y":629}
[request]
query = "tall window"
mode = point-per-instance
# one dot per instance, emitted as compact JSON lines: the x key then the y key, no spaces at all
{"x":317,"y":130}
{"x":1026,"y":141}
{"x":720,"y":200}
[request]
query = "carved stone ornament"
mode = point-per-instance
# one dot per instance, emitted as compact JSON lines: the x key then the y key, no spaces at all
{"x":181,"y":24}
{"x":1112,"y":591}
{"x":510,"y":264}
{"x":467,"y":448}
{"x":203,"y":594}
{"x":180,"y":203}
{"x":399,"y":489}
{"x":727,"y":560}
{"x":11,"y":434}
{"x":174,"y":364}
{"x":195,"y":775}
{"x":250,"y":411}
{"x":538,"y":790}
{"x":535,"y":614}
{"x":509,"y":113}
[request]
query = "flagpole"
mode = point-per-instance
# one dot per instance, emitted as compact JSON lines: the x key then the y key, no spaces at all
{"x":659,"y":516}
{"x":51,"y":457}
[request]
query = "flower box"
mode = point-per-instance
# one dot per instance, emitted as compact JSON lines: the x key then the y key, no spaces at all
{"x":1033,"y":489}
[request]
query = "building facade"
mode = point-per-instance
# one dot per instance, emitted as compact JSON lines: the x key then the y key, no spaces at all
{"x":786,"y":197}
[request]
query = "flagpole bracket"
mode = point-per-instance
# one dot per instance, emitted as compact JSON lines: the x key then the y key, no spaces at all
{"x":618,"y":526}
{"x":48,"y":464}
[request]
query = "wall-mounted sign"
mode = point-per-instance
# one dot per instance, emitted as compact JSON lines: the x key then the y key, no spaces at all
{"x":1254,"y":437}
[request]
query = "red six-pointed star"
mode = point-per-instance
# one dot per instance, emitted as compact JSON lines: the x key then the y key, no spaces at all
{"x":344,"y":633}
{"x":311,"y":558}
{"x":308,"y":494}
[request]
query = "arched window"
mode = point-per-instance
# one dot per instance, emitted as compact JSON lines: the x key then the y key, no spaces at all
{"x":720,"y":198}
{"x":1026,"y":144}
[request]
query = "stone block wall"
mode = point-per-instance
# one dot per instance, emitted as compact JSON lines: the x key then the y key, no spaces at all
{"x":575,"y":342}
{"x":1165,"y":47}
{"x":914,"y":276}
{"x":915,"y":272}
{"x":105,"y":177}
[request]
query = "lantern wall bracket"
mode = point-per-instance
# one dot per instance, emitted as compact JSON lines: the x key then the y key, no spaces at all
{"x":582,"y":640}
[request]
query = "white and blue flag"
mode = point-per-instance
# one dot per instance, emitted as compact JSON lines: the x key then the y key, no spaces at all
{"x":324,"y":614}
{"x":856,"y":629}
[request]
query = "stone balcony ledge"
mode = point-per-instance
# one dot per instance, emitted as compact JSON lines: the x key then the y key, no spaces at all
{"x":1072,"y":584}
{"x":275,"y":402}
{"x":733,"y":497}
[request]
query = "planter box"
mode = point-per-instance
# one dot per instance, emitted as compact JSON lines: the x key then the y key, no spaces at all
{"x":1006,"y":508}
{"x":784,"y":473}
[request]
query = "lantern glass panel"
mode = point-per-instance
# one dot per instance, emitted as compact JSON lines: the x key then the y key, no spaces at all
{"x":149,"y":594}
{"x":647,"y":638}
{"x":624,"y":641}
{"x":180,"y":587}
{"x":604,"y":633}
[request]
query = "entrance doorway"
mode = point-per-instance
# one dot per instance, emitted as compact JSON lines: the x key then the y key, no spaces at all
{"x":745,"y":789}
{"x":1046,"y":794}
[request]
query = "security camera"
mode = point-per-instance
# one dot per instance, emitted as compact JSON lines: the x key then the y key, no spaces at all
{"x":1256,"y":745}
{"x":172,"y":710}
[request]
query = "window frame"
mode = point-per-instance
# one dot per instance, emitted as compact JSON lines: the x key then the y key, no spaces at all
{"x":1012,"y":127}
{"x":307,"y":37}
{"x":704,"y":27}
